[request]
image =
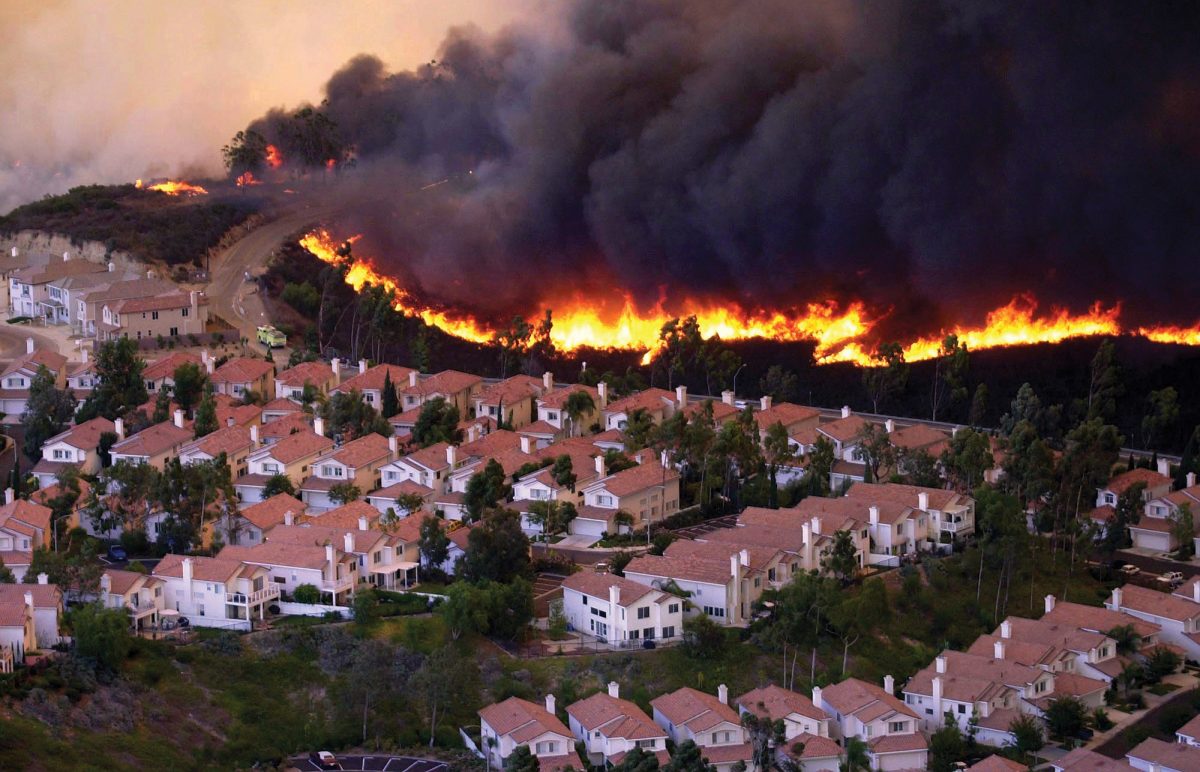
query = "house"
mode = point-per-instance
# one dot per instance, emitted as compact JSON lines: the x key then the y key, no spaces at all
{"x":1154,"y":530}
{"x":504,"y":726}
{"x":1177,"y":617}
{"x":951,"y":514}
{"x":356,"y":463}
{"x":280,"y":407}
{"x":659,"y":404}
{"x":161,"y":372}
{"x":17,"y":632}
{"x":916,"y":439}
{"x":1083,"y":760}
{"x":1155,"y":755}
{"x":16,"y":379}
{"x":231,"y":412}
{"x":512,"y":400}
{"x":619,"y":610}
{"x":797,"y":712}
{"x":818,"y":520}
{"x":456,"y":388}
{"x":291,"y":457}
{"x":997,"y":763}
{"x":369,"y":382}
{"x":241,"y":375}
{"x":140,"y":594}
{"x":234,"y":442}
{"x":78,"y":447}
{"x":74,"y":518}
{"x":155,"y":445}
{"x":24,"y":527}
{"x":713,"y":587}
{"x":288,"y":565}
{"x":215,"y":592}
{"x":381,"y":556}
{"x":89,"y":307}
{"x":249,"y":524}
{"x":874,"y":715}
{"x":276,"y":429}
{"x":794,"y":418}
{"x":843,"y":433}
{"x":1156,"y":484}
{"x":29,"y":288}
{"x":46,"y":602}
{"x":649,"y":492}
{"x":610,"y":727}
{"x":318,"y":376}
{"x":1100,"y":620}
{"x":552,"y":410}
{"x":708,"y":721}
{"x":1189,"y":733}
{"x":170,"y":314}
{"x":387,"y":498}
{"x":429,"y":467}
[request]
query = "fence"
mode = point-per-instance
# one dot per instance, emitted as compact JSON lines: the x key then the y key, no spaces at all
{"x":312,"y":609}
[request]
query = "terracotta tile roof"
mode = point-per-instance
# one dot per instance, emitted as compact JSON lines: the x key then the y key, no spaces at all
{"x":721,"y":412}
{"x":157,"y":303}
{"x":720,"y":552}
{"x":899,"y":743}
{"x":969,"y":678}
{"x":815,"y":747}
{"x":29,"y":363}
{"x":285,"y":425}
{"x":696,"y":710}
{"x":346,"y":516}
{"x":490,"y":444}
{"x":785,"y":413}
{"x":1159,"y":604}
{"x":539,"y":428}
{"x":509,"y":391}
{"x":844,"y":430}
{"x":270,"y":512}
{"x":240,"y":415}
{"x":218,"y":569}
{"x":272,"y":553}
{"x":314,"y":535}
{"x":1077,"y":685}
{"x":129,"y":289}
{"x":1102,"y":514}
{"x":904,"y":494}
{"x":230,"y":440}
{"x":1098,"y":619}
{"x":1166,"y":755}
{"x":166,"y":367}
{"x":282,"y":405}
{"x":44,"y":595}
{"x":29,"y":513}
{"x":361,"y":451}
{"x":1190,"y":729}
{"x":662,"y":754}
{"x":373,"y":378}
{"x":1083,"y":760}
{"x":787,"y":539}
{"x":853,"y":696}
{"x":918,"y":436}
{"x":1125,"y":480}
{"x":398,"y":489}
{"x":1189,"y":496}
{"x":13,"y":614}
{"x":561,"y":763}
{"x":316,"y":373}
{"x":121,"y":582}
{"x":522,"y":718}
{"x":56,"y":269}
{"x":691,"y":569}
{"x":242,"y":370}
{"x":614,"y":718}
{"x":296,"y":446}
{"x":557,"y":398}
{"x":432,"y":458}
{"x":652,"y":400}
{"x":637,"y":478}
{"x":1060,"y":636}
{"x":775,"y":702}
{"x":42,"y":495}
{"x":727,"y":754}
{"x":85,"y":436}
{"x":597,"y":586}
{"x":154,"y":440}
{"x":447,"y":382}
{"x":461,"y":536}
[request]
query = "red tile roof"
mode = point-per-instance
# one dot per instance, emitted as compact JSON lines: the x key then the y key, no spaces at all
{"x":153,"y":440}
{"x":166,"y":367}
{"x":85,"y":436}
{"x":777,"y":703}
{"x":270,"y":512}
{"x":296,"y":446}
{"x":372,"y":379}
{"x":316,"y":373}
{"x":242,"y":370}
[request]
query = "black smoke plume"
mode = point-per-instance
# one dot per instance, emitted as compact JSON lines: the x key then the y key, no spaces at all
{"x":933,"y":157}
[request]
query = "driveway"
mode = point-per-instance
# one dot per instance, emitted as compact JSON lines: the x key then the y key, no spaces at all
{"x":377,"y":763}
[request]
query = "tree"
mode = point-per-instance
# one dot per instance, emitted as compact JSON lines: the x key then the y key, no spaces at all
{"x":1183,"y":532}
{"x":162,"y":406}
{"x":206,"y":416}
{"x":107,"y":440}
{"x":365,"y":608}
{"x":497,"y":549}
{"x":777,"y":448}
{"x":617,"y":563}
{"x":1065,"y":717}
{"x":442,"y":680}
{"x":967,"y":458}
{"x":688,"y":758}
{"x":703,"y":638}
{"x":521,"y":760}
{"x":434,"y":544}
{"x":637,"y":760}
{"x":552,"y":515}
{"x":765,"y":735}
{"x":276,"y":484}
{"x":347,"y":413}
{"x":946,"y":746}
{"x":887,"y":375}
{"x":820,"y":465}
{"x":1161,"y":416}
{"x":389,"y":404}
{"x":842,"y":560}
{"x":513,"y":342}
{"x":485,"y":490}
{"x":578,"y":404}
{"x":920,"y":468}
{"x":509,"y":608}
{"x":979,"y":406}
{"x":246,"y":152}
{"x":1160,"y":663}
{"x":564,"y":472}
{"x":47,"y":412}
{"x":437,"y":422}
{"x":1028,"y":463}
{"x":875,"y":448}
{"x":1027,"y":734}
{"x":781,"y":385}
{"x":1127,"y":512}
{"x":306,"y":593}
{"x":191,"y":384}
{"x":950,"y":370}
{"x":120,"y":387}
{"x":101,"y":635}
{"x":344,"y":493}
{"x":464,"y":610}
{"x":855,"y":758}
{"x":638,"y":427}
{"x":1105,"y":385}
{"x":6,"y":574}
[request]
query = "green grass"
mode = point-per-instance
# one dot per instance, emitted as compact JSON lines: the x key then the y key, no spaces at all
{"x":1162,"y":688}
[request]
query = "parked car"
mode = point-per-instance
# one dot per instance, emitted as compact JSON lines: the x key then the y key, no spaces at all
{"x":1130,"y":569}
{"x":1173,"y":578}
{"x":117,"y":552}
{"x":184,"y":622}
{"x":650,"y":644}
{"x":324,"y":760}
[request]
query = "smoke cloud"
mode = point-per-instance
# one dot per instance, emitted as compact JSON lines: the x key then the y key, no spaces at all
{"x":774,"y":152}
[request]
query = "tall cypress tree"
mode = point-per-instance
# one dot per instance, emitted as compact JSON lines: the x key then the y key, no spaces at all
{"x":390,"y":401}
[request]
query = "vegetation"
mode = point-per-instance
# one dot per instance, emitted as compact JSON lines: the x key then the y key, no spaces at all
{"x":120,"y":388}
{"x":47,"y":412}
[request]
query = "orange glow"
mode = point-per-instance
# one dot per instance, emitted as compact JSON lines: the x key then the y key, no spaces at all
{"x":137,"y":184}
{"x":247,"y":179}
{"x":180,"y":188}
{"x":841,"y":334}
{"x":330,"y":164}
{"x":274,"y":159}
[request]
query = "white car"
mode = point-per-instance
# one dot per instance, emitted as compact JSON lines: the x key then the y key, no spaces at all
{"x":1130,"y":569}
{"x":1172,"y":578}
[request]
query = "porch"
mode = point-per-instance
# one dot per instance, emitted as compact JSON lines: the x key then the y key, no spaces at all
{"x":404,"y":575}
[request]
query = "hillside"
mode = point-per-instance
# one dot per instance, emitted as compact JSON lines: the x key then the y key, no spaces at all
{"x":147,"y":224}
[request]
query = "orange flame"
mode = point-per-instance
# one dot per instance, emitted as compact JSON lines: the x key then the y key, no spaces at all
{"x":137,"y":184}
{"x":330,"y":164}
{"x":840,"y":334}
{"x":247,"y":179}
{"x":179,"y":188}
{"x":274,"y":159}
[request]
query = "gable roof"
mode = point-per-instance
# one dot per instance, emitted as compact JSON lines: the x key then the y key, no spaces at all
{"x":636,"y":478}
{"x":373,"y":378}
{"x":597,"y":586}
{"x":29,"y":363}
{"x":614,"y":717}
{"x":165,"y":301}
{"x":556,"y":399}
{"x":445,"y":382}
{"x":843,"y":430}
{"x":510,"y":390}
{"x":204,"y":569}
{"x":153,"y":440}
{"x":278,"y":553}
{"x":855,"y":696}
{"x":523,"y":719}
{"x":775,"y":702}
{"x":296,"y":446}
{"x":166,"y":366}
{"x":230,"y":440}
{"x":1159,"y":604}
{"x":242,"y":370}
{"x":1126,"y":480}
{"x":315,"y":373}
{"x":270,"y":512}
{"x":687,"y":568}
{"x":84,"y":436}
{"x":360,"y":451}
{"x":650,"y":400}
{"x":694,"y":709}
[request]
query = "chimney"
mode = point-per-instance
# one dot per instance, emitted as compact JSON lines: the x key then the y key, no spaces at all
{"x":744,"y":557}
{"x":362,"y":523}
{"x":640,"y":457}
{"x":614,"y":689}
{"x":187,"y":570}
{"x":105,"y":583}
{"x":923,"y":501}
{"x":83,"y":355}
{"x":111,"y":266}
{"x":66,"y":257}
{"x":889,"y":684}
{"x":451,"y":456}
{"x":412,"y":379}
{"x":937,"y":693}
{"x":723,"y":694}
{"x":727,"y":397}
{"x":1006,"y":629}
{"x":1190,"y":482}
{"x":348,"y":541}
{"x":319,"y":425}
{"x":998,"y":649}
{"x":362,"y":366}
{"x":602,"y":391}
{"x":210,"y":365}
{"x":614,"y":598}
{"x":289,"y":518}
{"x":816,"y":697}
{"x":394,"y":446}
{"x":179,"y":418}
{"x":254,"y":435}
{"x":764,"y":402}
{"x":889,"y":426}
{"x":9,"y":495}
{"x":547,"y":380}
{"x":331,"y":560}
{"x":43,"y":578}
{"x":939,"y":663}
{"x":119,"y":428}
{"x":1164,"y":467}
{"x":204,"y":357}
{"x":15,"y":252}
{"x":664,"y":459}
{"x":1049,"y":603}
{"x":1117,"y":597}
{"x":29,"y":599}
{"x":526,"y":445}
{"x":473,"y":432}
{"x":29,"y":347}
{"x":550,"y":704}
{"x":845,"y":411}
{"x":874,"y":510}
{"x":600,"y":469}
{"x":1196,"y":590}
{"x":816,"y":526}
{"x":681,"y":396}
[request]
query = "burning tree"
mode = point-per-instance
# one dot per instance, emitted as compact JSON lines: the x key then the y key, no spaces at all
{"x":246,"y":152}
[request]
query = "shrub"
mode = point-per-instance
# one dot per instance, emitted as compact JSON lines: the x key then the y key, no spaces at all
{"x":307,"y":593}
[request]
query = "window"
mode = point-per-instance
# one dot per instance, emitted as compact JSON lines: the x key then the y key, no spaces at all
{"x":551,"y":416}
{"x":599,"y":612}
{"x":715,"y":611}
{"x":584,"y":599}
{"x":648,"y":633}
{"x":185,"y":312}
{"x":962,"y":710}
{"x":547,"y":748}
{"x":896,"y":727}
{"x":153,"y":315}
{"x":646,"y":743}
{"x":929,"y":711}
{"x":633,"y":635}
{"x":673,"y":608}
{"x":644,"y":612}
{"x":604,"y":500}
{"x":669,"y":631}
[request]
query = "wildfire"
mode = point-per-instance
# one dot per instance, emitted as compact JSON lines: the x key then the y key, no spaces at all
{"x":840,"y":333}
{"x":274,"y":159}
{"x":247,"y":179}
{"x":137,"y":184}
{"x":179,"y":188}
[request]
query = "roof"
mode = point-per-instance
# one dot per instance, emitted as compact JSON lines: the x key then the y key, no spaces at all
{"x":650,"y":400}
{"x":726,"y":754}
{"x":166,"y":367}
{"x":1098,"y":619}
{"x":285,"y":425}
{"x":128,"y":289}
{"x":445,"y":382}
{"x":686,"y":568}
{"x":1166,"y":755}
{"x":347,"y":515}
{"x":373,"y":378}
{"x":44,"y":595}
{"x":556,"y":399}
{"x":270,"y":512}
{"x":161,"y":302}
{"x":51,"y":360}
{"x":785,"y":413}
{"x":1190,"y":729}
{"x":397,"y":490}
{"x":969,"y":678}
{"x":153,"y":440}
{"x":218,"y":569}
{"x":26,"y":512}
{"x":918,"y":436}
{"x":282,"y":405}
{"x":853,"y":696}
{"x":315,"y":373}
{"x":230,"y":440}
{"x":510,"y":390}
{"x":899,"y":743}
{"x":361,"y":451}
{"x":432,"y":457}
{"x":614,"y":717}
{"x":904,"y":494}
{"x":242,"y":370}
{"x":1083,"y":760}
{"x":85,"y":436}
{"x":296,"y":446}
{"x":56,"y":269}
{"x":523,"y":719}
{"x":597,"y":586}
{"x":121,"y":582}
{"x":490,"y":444}
{"x":1159,"y":604}
{"x":14,"y":614}
{"x":1126,"y":480}
{"x":637,"y":478}
{"x":313,"y":534}
{"x":694,"y":709}
{"x":278,"y":553}
{"x":815,"y":747}
{"x":843,"y":429}
{"x":775,"y":702}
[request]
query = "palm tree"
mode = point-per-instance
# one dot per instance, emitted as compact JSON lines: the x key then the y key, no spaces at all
{"x":578,"y":404}
{"x":856,"y":757}
{"x":1127,"y":639}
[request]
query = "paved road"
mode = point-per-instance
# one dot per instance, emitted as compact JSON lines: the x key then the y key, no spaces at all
{"x":377,"y":763}
{"x":12,"y":340}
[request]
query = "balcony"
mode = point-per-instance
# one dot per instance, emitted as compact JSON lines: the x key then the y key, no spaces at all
{"x":337,"y":586}
{"x":267,"y":593}
{"x":958,"y":524}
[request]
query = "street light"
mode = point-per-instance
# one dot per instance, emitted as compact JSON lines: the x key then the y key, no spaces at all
{"x":735,"y":375}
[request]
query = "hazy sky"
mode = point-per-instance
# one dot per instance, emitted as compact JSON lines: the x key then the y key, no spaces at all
{"x":108,"y":92}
